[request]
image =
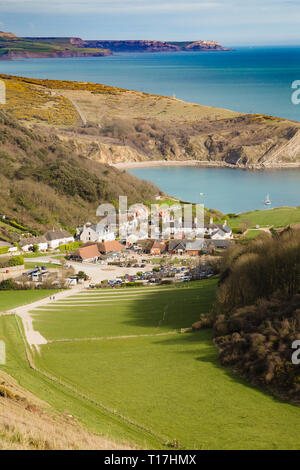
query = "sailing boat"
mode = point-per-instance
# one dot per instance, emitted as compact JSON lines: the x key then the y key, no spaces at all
{"x":268,"y":200}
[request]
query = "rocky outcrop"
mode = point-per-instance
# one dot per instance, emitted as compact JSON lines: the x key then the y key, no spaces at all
{"x":205,"y":46}
{"x":9,"y":36}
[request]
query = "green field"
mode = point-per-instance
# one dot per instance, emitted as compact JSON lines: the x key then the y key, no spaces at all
{"x":16,"y":298}
{"x":93,"y":417}
{"x":175,"y":386}
{"x":172,"y":383}
{"x":165,"y":387}
{"x":279,"y":217}
{"x":126,"y":312}
{"x":252,"y":234}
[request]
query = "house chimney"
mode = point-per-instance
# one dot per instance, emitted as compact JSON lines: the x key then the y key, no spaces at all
{"x":225,"y":223}
{"x":211,"y":220}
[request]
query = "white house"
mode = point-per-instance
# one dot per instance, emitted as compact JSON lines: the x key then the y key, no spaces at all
{"x":27,"y":244}
{"x":223,"y":232}
{"x":97,"y":233}
{"x":56,"y":238}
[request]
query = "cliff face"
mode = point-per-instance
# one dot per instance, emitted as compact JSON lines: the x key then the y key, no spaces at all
{"x":155,"y":46}
{"x":134,"y":46}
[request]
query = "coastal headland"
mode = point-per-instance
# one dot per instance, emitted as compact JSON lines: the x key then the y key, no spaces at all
{"x":123,"y":127}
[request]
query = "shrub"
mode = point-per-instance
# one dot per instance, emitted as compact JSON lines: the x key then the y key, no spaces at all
{"x":16,"y":261}
{"x":9,"y":284}
{"x":70,"y":246}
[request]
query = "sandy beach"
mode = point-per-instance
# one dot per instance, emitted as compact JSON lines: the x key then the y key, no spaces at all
{"x":201,"y":163}
{"x":157,"y":163}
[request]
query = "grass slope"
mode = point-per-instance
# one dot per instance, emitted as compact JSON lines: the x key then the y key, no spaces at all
{"x":124,"y":313}
{"x":171,"y":384}
{"x":175,"y":386}
{"x":279,"y":217}
{"x":93,"y":417}
{"x":12,"y":299}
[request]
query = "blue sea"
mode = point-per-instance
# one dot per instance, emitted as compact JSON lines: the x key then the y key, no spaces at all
{"x":256,"y":80}
{"x":226,"y":189}
{"x":246,"y":79}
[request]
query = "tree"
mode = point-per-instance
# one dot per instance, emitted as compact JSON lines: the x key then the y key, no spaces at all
{"x":82,"y":275}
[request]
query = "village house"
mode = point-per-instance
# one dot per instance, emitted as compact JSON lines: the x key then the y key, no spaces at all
{"x":56,"y":238}
{"x":27,"y":244}
{"x":110,"y":247}
{"x":188,"y":247}
{"x":193,"y":247}
{"x":223,"y":232}
{"x":88,"y":254}
{"x":158,"y":248}
{"x":176,"y":247}
{"x":97,"y":233}
{"x":216,"y":231}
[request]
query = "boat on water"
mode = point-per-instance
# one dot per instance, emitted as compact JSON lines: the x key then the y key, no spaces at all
{"x":268,"y":201}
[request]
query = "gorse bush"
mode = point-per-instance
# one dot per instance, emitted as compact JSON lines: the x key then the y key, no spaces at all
{"x":258,"y":312}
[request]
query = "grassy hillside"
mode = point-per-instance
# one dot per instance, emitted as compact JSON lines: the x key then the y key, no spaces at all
{"x":115,"y":125}
{"x":46,"y":183}
{"x":166,"y":384}
{"x":14,"y":47}
{"x":13,"y":299}
{"x":62,"y":400}
{"x":278,"y":217}
{"x":140,"y":381}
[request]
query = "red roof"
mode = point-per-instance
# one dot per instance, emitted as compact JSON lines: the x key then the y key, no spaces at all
{"x":108,"y":247}
{"x":159,"y":246}
{"x":88,"y":252}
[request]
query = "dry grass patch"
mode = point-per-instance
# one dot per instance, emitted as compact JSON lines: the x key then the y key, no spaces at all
{"x":28,"y":423}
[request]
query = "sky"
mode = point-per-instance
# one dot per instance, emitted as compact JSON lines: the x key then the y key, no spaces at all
{"x":231,"y":22}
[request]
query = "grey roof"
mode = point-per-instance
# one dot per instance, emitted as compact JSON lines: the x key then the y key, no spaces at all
{"x":32,"y":241}
{"x":174,"y":245}
{"x":57,"y":235}
{"x":225,"y":228}
{"x":194,"y":245}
